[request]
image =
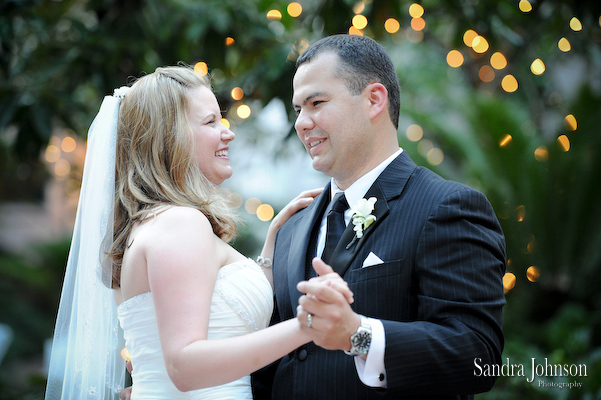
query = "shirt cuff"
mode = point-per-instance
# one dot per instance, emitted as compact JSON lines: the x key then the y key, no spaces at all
{"x":371,"y":371}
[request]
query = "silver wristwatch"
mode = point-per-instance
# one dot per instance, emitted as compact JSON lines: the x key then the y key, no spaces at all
{"x":360,"y":340}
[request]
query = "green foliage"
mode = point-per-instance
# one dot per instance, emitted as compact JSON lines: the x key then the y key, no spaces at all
{"x":29,"y":296}
{"x":29,"y":293}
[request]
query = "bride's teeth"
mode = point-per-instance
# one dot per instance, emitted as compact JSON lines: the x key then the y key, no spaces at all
{"x":221,"y":153}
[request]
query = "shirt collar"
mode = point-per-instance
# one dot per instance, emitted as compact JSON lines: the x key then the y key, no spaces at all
{"x":359,"y":188}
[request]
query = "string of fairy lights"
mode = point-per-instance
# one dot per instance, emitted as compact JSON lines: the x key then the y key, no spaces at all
{"x":65,"y":152}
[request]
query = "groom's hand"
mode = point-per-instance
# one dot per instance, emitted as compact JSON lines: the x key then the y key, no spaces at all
{"x":125,"y":394}
{"x":327,"y":300}
{"x":327,"y":276}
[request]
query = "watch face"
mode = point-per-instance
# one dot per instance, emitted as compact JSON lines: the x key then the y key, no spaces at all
{"x":362,"y":340}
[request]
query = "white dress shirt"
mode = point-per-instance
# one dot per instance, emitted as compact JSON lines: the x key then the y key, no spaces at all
{"x":370,"y":370}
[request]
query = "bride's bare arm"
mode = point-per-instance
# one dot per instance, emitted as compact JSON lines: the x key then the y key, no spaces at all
{"x":183,"y":257}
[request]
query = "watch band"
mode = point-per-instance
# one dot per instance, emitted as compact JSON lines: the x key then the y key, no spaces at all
{"x":361,"y":339}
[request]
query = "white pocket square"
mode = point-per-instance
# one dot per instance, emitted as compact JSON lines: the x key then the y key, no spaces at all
{"x":371,"y":260}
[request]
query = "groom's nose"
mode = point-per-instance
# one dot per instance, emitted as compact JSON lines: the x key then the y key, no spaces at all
{"x":303,"y":124}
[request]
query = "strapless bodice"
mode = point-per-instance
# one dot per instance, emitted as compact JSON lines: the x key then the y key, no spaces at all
{"x":242,"y":302}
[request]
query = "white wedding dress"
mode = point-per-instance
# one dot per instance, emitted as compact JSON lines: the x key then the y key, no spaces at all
{"x":242,"y":303}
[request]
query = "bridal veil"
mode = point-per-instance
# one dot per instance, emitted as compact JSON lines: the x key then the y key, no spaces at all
{"x":86,"y":362}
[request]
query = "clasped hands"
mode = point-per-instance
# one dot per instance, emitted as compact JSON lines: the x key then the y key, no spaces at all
{"x":324,"y":310}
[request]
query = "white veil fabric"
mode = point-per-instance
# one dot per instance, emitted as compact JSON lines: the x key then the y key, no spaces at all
{"x":86,"y":362}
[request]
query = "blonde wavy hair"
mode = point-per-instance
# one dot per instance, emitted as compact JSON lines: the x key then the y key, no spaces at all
{"x":154,"y":165}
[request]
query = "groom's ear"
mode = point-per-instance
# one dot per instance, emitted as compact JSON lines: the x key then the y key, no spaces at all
{"x":377,"y":96}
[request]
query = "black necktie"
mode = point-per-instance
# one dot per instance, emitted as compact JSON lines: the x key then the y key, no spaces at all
{"x":335,"y":226}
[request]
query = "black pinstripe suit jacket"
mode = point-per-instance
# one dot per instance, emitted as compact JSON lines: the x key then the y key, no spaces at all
{"x":439,"y":292}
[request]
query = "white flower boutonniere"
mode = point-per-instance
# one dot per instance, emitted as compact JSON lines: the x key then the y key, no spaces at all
{"x":361,"y":215}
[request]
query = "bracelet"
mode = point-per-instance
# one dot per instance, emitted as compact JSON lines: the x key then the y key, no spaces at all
{"x":264,"y":262}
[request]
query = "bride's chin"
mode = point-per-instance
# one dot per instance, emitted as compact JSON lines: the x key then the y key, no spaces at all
{"x":222,"y":178}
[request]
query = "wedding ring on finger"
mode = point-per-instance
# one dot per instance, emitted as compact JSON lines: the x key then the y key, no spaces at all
{"x":309,"y":320}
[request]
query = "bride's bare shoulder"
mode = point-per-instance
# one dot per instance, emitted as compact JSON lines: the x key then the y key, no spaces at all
{"x":174,"y":222}
{"x":168,"y":213}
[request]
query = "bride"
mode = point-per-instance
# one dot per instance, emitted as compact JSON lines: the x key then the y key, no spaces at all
{"x":152,"y":225}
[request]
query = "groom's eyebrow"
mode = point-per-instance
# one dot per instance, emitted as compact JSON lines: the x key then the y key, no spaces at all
{"x":308,"y":99}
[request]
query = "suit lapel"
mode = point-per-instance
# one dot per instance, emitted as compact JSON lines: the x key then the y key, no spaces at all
{"x":387,"y":186}
{"x":349,"y":245}
{"x":297,"y":255}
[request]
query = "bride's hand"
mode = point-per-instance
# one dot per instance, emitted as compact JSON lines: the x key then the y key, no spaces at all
{"x":299,"y":202}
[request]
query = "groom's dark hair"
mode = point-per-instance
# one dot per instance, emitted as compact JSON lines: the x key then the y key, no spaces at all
{"x":362,"y":61}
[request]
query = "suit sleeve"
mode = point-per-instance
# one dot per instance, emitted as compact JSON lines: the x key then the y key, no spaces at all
{"x":459,"y":266}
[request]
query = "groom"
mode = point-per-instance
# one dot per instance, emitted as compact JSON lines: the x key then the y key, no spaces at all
{"x":426,"y":274}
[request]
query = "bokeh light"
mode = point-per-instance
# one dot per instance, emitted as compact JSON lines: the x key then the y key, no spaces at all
{"x":480,"y":44}
{"x":532,"y":273}
{"x":570,"y":122}
{"x":229,"y":41}
{"x":525,"y":6}
{"x":424,"y":146}
{"x":415,"y":133}
{"x":294,"y":9}
{"x":235,"y":200}
{"x":509,"y":281}
{"x":201,"y":68}
{"x":52,"y":153}
{"x":265,"y":212}
{"x":416,"y":10}
{"x":486,"y":73}
{"x":564,"y":142}
{"x":418,"y":24}
{"x":68,"y":144}
{"x":564,"y":45}
{"x":541,"y":153}
{"x":243,"y":111}
{"x":251,"y":205}
{"x":435,"y":156}
{"x":537,"y":67}
{"x":354,"y":31}
{"x":509,"y":84}
{"x":359,"y":21}
{"x":392,"y":25}
{"x":455,"y":58}
{"x":62,"y":168}
{"x":505,"y":140}
{"x":359,"y":7}
{"x":498,"y":60}
{"x":575,"y":24}
{"x":225,"y":122}
{"x":274,"y":15}
{"x":237,"y":93}
{"x":469,"y":36}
